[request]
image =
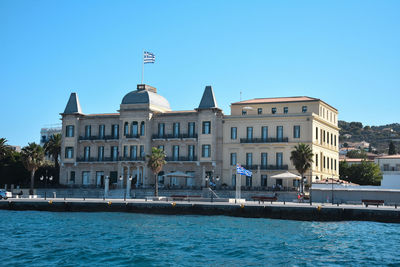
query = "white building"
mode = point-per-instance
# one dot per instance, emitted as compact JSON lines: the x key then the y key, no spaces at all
{"x":390,"y":167}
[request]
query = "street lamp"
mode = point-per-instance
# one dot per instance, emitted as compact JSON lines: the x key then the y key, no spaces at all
{"x":212,"y":184}
{"x":45,"y":178}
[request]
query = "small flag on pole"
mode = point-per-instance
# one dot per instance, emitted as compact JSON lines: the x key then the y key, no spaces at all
{"x":243,"y":171}
{"x":148,"y":57}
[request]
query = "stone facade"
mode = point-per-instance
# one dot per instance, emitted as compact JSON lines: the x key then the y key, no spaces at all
{"x":199,"y":142}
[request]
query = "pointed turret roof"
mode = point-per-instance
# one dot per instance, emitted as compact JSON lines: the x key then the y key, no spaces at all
{"x":73,"y":105}
{"x":208,"y":99}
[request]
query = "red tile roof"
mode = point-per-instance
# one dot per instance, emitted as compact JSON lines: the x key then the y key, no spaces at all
{"x":276,"y":100}
{"x":397,"y":156}
{"x":103,"y":114}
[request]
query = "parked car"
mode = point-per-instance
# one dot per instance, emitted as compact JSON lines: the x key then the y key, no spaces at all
{"x":4,"y":194}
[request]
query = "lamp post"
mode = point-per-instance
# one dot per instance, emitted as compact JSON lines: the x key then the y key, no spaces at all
{"x":212,"y":184}
{"x":45,"y":178}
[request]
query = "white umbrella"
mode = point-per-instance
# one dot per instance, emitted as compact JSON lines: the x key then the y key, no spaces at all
{"x":178,"y":174}
{"x":286,"y":175}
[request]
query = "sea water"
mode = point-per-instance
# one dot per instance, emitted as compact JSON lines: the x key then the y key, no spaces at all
{"x":33,"y":238}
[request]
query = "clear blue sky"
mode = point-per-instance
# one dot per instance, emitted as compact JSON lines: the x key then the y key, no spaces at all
{"x":344,"y":52}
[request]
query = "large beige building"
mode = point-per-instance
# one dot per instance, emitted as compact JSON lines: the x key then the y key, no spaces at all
{"x":259,"y":134}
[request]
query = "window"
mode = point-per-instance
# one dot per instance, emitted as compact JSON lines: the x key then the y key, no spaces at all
{"x":296,"y":131}
{"x":316,"y":133}
{"x":86,"y":178}
{"x":141,"y":151}
{"x":206,"y":151}
{"x":69,"y":131}
{"x":134,"y":129}
{"x":176,"y":129}
{"x":100,"y":153}
{"x":250,"y":133}
{"x":134,"y":152}
{"x":72,"y":177}
{"x":279,"y":159}
{"x":161,"y":129}
{"x":126,"y":128}
{"x":335,"y":164}
{"x":304,"y":109}
{"x":327,"y":163}
{"x":285,"y":110}
{"x":331,"y":139}
{"x":331,"y":163}
{"x":244,"y":112}
{"x":101,"y":131}
{"x":264,"y":133}
{"x":206,"y":127}
{"x":191,"y":131}
{"x":142,"y":128}
{"x":273,"y":110}
{"x":249,"y":181}
{"x":175,"y":152}
{"x":233,"y":133}
{"x":125,"y":151}
{"x":114,"y":153}
{"x":264,"y":160}
{"x":86,"y":153}
{"x":324,"y":162}
{"x":191,"y":152}
{"x":249,"y":159}
{"x":190,"y":180}
{"x":316,"y":160}
{"x":279,"y":133}
{"x":264,"y":180}
{"x":161,"y":147}
{"x":113,"y":177}
{"x":259,"y":111}
{"x":233,"y":159}
{"x":324,"y":135}
{"x":88,"y":131}
{"x":115,"y":131}
{"x":233,"y":179}
{"x":385,"y":167}
{"x":69,"y":152}
{"x":335,"y":140}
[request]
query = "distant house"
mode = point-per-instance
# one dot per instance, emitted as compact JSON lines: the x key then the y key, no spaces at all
{"x":351,"y":161}
{"x":347,"y":136}
{"x":390,"y":167}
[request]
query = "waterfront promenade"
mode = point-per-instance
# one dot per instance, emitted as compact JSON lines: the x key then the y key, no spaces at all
{"x":251,"y":209}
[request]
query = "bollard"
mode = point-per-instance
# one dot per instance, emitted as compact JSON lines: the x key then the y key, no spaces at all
{"x":64,"y":198}
{"x":83,"y":198}
{"x":337,"y":204}
{"x":45,"y":196}
{"x":104,"y":198}
{"x":284,"y":202}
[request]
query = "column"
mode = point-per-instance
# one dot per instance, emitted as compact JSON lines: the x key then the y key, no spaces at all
{"x":230,"y":177}
{"x":203,"y":178}
{"x":144,"y":173}
{"x":259,"y":175}
{"x":128,"y":183}
{"x":106,"y":186}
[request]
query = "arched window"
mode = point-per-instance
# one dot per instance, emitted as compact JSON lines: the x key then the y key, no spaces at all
{"x":134,"y":130}
{"x":142,"y":128}
{"x":126,"y":128}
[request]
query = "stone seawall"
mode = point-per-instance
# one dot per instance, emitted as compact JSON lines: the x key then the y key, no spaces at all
{"x":302,"y":212}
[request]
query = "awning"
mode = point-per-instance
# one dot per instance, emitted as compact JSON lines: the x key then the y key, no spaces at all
{"x":286,"y":175}
{"x":178,"y":174}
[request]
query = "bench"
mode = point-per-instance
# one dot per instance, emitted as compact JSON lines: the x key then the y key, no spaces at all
{"x":372,"y":202}
{"x":264,"y":198}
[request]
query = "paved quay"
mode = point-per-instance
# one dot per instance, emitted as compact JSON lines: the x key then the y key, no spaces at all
{"x":251,"y":209}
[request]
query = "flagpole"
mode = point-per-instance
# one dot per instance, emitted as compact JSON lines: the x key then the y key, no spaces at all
{"x":142,"y":66}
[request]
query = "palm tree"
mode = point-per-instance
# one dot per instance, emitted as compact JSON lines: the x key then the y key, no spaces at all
{"x":156,"y":162}
{"x":33,"y":158}
{"x":53,"y":148}
{"x":302,"y":157}
{"x":4,"y":148}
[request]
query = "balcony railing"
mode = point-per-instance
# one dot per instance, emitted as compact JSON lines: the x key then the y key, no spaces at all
{"x":274,"y":167}
{"x":174,"y":136}
{"x":96,"y":159}
{"x":250,"y":167}
{"x":133,"y":136}
{"x":264,"y":140}
{"x":194,"y":158}
{"x":132,"y":158}
{"x":97,"y":137}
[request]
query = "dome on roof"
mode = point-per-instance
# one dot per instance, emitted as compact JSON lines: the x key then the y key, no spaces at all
{"x":145,"y":97}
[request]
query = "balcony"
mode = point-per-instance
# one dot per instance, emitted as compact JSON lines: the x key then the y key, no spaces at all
{"x":132,"y":136}
{"x":97,"y":138}
{"x":174,"y":136}
{"x":263,"y":140}
{"x":274,"y":167}
{"x":176,"y":159}
{"x":132,"y":158}
{"x":250,"y":167}
{"x":96,"y":159}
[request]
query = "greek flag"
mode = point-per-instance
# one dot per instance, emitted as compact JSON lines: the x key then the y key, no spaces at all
{"x":243,"y":171}
{"x":148,"y":57}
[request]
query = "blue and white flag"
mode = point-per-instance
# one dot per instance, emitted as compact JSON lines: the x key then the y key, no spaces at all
{"x":148,"y":57}
{"x":243,"y":171}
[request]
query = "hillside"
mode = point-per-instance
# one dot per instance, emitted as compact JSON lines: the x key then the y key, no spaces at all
{"x":378,"y":136}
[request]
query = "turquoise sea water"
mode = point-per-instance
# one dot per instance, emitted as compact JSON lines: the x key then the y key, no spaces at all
{"x":31,"y":238}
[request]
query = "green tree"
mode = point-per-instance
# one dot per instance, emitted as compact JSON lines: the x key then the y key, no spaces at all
{"x":302,"y":158}
{"x":33,"y":158}
{"x":53,"y":149}
{"x":392,"y":148}
{"x":356,"y":154}
{"x":156,"y":162}
{"x":5,"y":149}
{"x":366,"y":173}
